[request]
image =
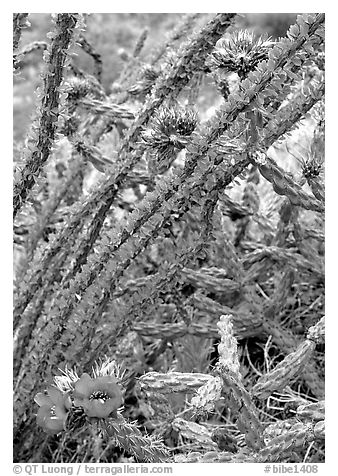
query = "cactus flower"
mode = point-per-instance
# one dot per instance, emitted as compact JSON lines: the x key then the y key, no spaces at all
{"x":99,"y":397}
{"x":53,"y":410}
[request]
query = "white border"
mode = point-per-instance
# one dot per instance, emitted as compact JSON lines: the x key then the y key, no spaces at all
{"x":331,"y":185}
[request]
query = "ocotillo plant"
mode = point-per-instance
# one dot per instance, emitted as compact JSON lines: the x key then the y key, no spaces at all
{"x":169,"y":245}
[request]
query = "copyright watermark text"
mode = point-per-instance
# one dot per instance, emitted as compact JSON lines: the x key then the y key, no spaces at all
{"x":82,"y":469}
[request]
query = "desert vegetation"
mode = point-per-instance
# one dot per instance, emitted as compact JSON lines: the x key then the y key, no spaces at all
{"x":168,"y":209}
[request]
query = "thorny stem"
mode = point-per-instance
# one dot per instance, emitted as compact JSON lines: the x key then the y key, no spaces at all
{"x":25,"y":178}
